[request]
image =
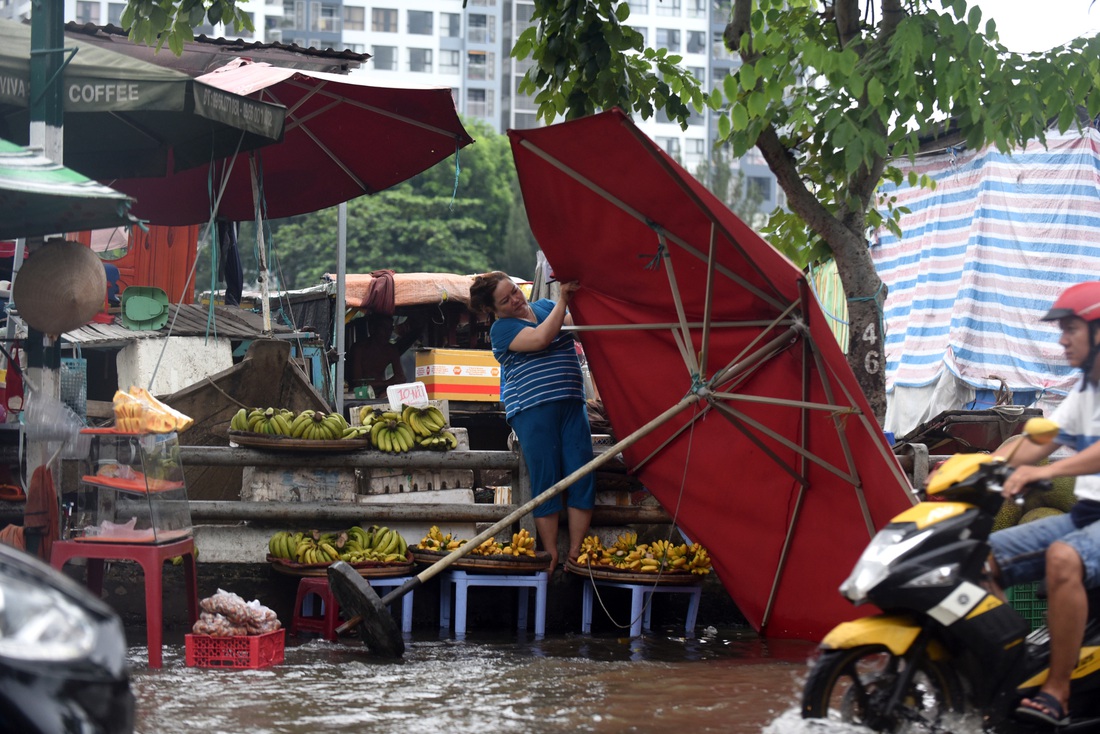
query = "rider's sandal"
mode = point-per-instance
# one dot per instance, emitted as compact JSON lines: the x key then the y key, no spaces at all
{"x":1045,"y":709}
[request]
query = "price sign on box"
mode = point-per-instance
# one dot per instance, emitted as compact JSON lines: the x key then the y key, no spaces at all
{"x":407,"y":393}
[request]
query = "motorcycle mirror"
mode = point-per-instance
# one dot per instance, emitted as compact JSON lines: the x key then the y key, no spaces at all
{"x":1041,"y":430}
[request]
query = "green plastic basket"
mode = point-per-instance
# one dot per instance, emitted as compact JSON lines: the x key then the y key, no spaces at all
{"x":1025,"y":600}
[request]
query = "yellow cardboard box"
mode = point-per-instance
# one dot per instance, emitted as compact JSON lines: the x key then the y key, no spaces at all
{"x":459,"y":374}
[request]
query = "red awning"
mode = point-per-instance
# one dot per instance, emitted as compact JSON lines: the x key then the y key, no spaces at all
{"x":345,"y":137}
{"x":780,"y":469}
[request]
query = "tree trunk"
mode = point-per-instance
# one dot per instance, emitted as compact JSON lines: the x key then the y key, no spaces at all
{"x":866,"y":328}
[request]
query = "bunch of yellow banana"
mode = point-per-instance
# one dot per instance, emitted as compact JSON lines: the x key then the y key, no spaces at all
{"x":435,"y":540}
{"x":391,"y":434}
{"x":441,"y":441}
{"x":523,"y":544}
{"x":423,"y":421}
{"x":490,"y":547}
{"x":356,"y":432}
{"x":318,"y":426}
{"x":376,"y":544}
{"x":655,"y":557}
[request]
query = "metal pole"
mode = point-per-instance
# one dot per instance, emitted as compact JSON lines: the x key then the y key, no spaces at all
{"x":265,"y":288}
{"x":341,"y":292}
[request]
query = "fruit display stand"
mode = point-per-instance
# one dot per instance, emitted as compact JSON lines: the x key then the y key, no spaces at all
{"x":501,"y":564}
{"x":368,"y":569}
{"x":641,"y":596}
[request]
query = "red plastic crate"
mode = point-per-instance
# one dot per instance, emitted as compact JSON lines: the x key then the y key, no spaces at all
{"x":252,"y":651}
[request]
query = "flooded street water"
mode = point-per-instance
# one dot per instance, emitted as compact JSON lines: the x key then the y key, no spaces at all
{"x":722,"y":682}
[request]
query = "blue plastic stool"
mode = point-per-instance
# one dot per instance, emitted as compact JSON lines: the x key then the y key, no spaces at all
{"x":462,"y":581}
{"x":638,"y":596}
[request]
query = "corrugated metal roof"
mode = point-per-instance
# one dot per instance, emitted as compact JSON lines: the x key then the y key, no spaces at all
{"x":229,"y":322}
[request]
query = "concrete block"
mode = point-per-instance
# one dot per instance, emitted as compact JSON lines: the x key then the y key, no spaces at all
{"x":270,"y":484}
{"x":414,"y":531}
{"x":398,"y":481}
{"x":185,"y":361}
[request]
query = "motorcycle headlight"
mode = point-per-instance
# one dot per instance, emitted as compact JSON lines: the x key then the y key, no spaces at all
{"x":874,"y":565}
{"x":39,"y":622}
{"x":947,"y":575}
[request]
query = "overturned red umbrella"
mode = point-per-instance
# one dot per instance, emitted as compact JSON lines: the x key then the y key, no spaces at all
{"x":779,"y":469}
{"x":345,"y":137}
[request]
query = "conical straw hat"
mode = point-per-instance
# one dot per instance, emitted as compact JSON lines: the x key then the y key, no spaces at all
{"x":60,"y":287}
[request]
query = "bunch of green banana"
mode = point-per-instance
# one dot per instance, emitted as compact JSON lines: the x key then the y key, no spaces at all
{"x":367,"y":415}
{"x":391,"y":434}
{"x":423,"y":421}
{"x":284,"y":544}
{"x":376,"y":544}
{"x":269,"y":421}
{"x":239,"y":422}
{"x":318,"y":425}
{"x":357,"y":432}
{"x":441,"y":441}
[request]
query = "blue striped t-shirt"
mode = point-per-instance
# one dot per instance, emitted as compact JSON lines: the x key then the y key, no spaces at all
{"x":531,"y":378}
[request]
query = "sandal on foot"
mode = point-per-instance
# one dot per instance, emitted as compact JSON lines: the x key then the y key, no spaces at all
{"x":1042,"y":708}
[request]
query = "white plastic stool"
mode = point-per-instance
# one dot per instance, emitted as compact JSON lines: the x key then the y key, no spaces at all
{"x":406,"y":600}
{"x":462,"y":581}
{"x":638,"y":596}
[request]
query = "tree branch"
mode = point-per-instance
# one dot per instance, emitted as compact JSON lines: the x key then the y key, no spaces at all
{"x":847,"y":21}
{"x":800,"y":199}
{"x":740,"y":24}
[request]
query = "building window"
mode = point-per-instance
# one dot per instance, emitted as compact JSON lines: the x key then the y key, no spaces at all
{"x":484,"y":3}
{"x":325,"y":18}
{"x":114,"y":13}
{"x":479,"y":103}
{"x":695,"y":146}
{"x":420,"y":22}
{"x":289,"y":15}
{"x":479,"y":65}
{"x":355,"y":19}
{"x":639,"y":6}
{"x":723,"y":10}
{"x":671,"y":146}
{"x":718,"y":47}
{"x":383,"y":20}
{"x":87,"y":12}
{"x":355,"y":48}
{"x":759,"y":187}
{"x":482,"y":29}
{"x":241,"y":31}
{"x":420,"y":59}
{"x":384,"y":57}
{"x":449,"y":62}
{"x":697,"y":42}
{"x":699,"y":73}
{"x":696,"y":8}
{"x":450,"y":25}
{"x":668,"y":7}
{"x":668,"y":38}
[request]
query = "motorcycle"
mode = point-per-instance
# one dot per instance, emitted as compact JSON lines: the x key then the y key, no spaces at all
{"x":63,"y":663}
{"x":943,"y":646}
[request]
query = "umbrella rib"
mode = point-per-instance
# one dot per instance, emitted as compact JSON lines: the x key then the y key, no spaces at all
{"x":723,"y":374}
{"x":708,"y":302}
{"x":785,"y":441}
{"x":671,"y":325}
{"x":827,"y":407}
{"x":891,"y":461}
{"x":684,"y":340}
{"x":732,"y":417}
{"x":695,"y":417}
{"x":337,"y":98}
{"x":685,"y":351}
{"x":647,"y":221}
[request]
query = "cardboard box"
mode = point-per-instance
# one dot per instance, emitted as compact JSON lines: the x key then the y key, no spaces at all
{"x":459,"y":374}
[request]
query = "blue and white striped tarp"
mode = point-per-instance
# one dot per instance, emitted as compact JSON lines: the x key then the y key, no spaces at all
{"x":981,"y":259}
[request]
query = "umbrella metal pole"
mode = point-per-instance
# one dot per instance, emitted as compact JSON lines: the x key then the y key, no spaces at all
{"x":265,"y":288}
{"x":553,"y":491}
{"x":341,"y":304}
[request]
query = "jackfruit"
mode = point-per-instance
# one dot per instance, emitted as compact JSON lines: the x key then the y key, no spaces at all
{"x":1009,"y":514}
{"x":1061,"y":496}
{"x":1038,"y":513}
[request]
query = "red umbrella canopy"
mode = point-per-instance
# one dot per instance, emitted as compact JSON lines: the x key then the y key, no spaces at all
{"x":779,"y":469}
{"x":344,"y":138}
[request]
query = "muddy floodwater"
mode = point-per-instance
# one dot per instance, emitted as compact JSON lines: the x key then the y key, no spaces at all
{"x":724,"y":681}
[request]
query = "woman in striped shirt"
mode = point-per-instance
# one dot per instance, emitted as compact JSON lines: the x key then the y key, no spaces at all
{"x":543,"y":394}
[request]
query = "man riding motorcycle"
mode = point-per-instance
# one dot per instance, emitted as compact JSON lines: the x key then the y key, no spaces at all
{"x":1065,"y":548}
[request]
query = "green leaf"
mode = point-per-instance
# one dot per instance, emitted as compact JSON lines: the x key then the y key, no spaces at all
{"x":875,"y":92}
{"x":974,"y":19}
{"x":729,"y":86}
{"x":739,"y":117}
{"x":724,"y":127}
{"x":747,"y":75}
{"x":622,"y":12}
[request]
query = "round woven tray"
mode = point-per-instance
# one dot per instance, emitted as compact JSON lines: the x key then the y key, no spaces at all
{"x":285,"y":443}
{"x":371,"y":570}
{"x":491,"y":564}
{"x":605,"y":573}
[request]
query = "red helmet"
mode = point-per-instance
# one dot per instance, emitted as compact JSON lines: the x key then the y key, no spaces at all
{"x":1081,"y":300}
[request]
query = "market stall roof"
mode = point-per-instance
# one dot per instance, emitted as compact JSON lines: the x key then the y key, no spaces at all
{"x":229,"y":322}
{"x":38,"y":197}
{"x":708,"y":347}
{"x":124,"y":117}
{"x":411,"y":289}
{"x":204,"y":53}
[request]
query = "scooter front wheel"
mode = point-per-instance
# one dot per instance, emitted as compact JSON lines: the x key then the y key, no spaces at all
{"x":854,"y":686}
